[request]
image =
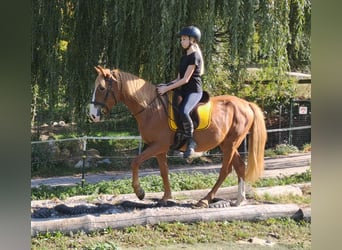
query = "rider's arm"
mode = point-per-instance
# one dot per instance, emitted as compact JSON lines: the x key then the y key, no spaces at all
{"x":177,"y":83}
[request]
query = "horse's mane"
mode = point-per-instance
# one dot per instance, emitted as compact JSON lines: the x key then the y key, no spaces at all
{"x":142,"y":91}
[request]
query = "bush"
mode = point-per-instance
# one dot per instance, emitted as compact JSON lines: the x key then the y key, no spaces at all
{"x":281,"y":149}
{"x":285,"y":149}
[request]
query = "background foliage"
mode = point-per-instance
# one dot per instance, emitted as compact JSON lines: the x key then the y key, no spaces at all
{"x":69,"y":37}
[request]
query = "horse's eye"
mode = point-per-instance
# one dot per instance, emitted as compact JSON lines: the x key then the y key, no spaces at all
{"x":101,"y":88}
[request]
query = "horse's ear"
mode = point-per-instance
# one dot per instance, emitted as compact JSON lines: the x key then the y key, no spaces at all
{"x":99,"y":70}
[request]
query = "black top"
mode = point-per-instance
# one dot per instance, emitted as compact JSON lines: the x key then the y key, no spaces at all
{"x":195,"y":82}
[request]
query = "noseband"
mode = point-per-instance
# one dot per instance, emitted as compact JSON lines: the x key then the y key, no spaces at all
{"x":109,"y":81}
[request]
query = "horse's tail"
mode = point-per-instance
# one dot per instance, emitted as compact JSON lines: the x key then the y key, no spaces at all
{"x":256,"y":145}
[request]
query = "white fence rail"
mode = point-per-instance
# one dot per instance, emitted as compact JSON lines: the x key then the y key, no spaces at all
{"x":84,"y":139}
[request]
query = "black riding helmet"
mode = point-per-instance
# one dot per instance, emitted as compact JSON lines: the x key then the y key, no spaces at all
{"x":191,"y":31}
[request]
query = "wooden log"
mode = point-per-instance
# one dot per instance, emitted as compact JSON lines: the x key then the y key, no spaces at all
{"x":153,"y":216}
{"x":279,"y":190}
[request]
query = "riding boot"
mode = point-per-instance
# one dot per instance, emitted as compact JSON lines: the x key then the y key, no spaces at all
{"x":178,"y":140}
{"x":188,"y":133}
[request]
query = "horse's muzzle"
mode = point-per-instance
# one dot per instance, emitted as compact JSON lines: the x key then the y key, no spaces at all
{"x":94,"y":118}
{"x":95,"y":113}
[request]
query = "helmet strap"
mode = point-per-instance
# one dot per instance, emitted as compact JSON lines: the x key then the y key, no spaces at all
{"x":190,"y":44}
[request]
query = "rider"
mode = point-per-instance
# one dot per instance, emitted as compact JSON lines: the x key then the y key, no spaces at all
{"x":188,"y":82}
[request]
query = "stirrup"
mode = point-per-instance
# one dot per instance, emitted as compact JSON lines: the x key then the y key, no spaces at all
{"x":190,"y":150}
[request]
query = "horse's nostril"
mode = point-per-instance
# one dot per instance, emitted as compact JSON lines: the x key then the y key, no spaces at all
{"x":92,"y":117}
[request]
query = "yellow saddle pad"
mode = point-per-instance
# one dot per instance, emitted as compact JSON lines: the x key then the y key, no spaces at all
{"x":203,"y":110}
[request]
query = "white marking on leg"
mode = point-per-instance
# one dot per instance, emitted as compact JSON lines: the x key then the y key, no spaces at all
{"x":241,"y":192}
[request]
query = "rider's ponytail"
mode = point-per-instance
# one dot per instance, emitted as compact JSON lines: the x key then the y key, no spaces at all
{"x":200,"y":53}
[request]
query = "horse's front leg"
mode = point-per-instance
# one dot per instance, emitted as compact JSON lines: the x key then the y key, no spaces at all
{"x":150,"y":151}
{"x":138,"y":190}
{"x":164,"y":172}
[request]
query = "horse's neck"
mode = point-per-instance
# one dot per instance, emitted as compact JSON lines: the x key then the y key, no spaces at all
{"x":137,"y":94}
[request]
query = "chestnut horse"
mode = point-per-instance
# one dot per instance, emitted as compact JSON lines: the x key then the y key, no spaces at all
{"x":231,"y":120}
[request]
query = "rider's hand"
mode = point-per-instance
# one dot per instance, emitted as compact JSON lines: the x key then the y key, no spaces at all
{"x":162,"y":89}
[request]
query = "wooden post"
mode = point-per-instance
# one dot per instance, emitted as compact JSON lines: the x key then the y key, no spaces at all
{"x":84,"y":156}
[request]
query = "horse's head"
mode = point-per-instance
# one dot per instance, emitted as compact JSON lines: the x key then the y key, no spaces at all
{"x":104,"y":95}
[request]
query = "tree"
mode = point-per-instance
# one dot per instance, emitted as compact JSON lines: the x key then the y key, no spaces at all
{"x":69,"y":37}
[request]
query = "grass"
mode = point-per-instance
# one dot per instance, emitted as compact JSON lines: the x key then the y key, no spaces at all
{"x":287,"y":233}
{"x":284,"y":180}
{"x":153,"y":183}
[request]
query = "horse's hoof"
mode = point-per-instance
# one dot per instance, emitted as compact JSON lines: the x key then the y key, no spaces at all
{"x":202,"y":204}
{"x":166,"y":203}
{"x":189,"y":160}
{"x":162,"y":203}
{"x":238,"y":203}
{"x":140,"y":194}
{"x":220,"y":204}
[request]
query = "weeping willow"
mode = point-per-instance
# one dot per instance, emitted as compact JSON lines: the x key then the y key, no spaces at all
{"x":69,"y":37}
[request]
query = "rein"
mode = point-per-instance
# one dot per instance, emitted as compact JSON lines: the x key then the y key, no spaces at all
{"x":165,"y":107}
{"x":163,"y":104}
{"x":153,"y":100}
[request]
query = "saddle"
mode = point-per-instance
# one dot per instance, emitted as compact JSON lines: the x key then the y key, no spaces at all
{"x":200,"y":116}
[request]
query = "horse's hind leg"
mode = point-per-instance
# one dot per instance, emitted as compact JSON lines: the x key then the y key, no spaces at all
{"x":240,"y":168}
{"x":225,"y":170}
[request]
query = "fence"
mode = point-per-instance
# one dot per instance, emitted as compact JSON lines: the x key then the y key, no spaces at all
{"x":282,"y":124}
{"x":290,"y":125}
{"x":120,"y":150}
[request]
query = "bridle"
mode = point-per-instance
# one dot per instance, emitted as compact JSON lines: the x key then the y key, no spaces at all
{"x":109,"y":82}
